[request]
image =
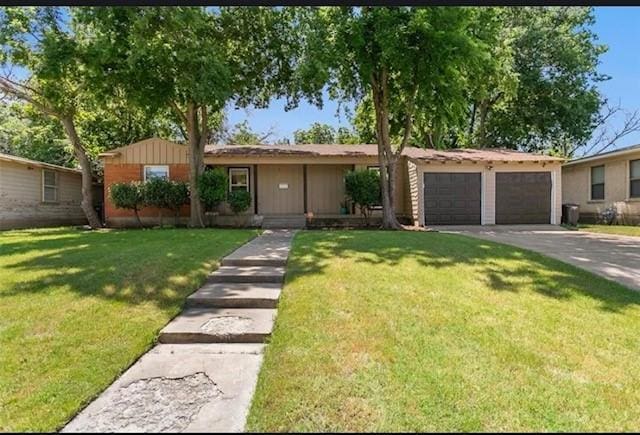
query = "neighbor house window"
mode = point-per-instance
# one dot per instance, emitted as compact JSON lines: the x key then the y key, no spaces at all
{"x":49,"y":186}
{"x":597,"y":182}
{"x":238,"y":179}
{"x":634,"y":178}
{"x":156,"y":171}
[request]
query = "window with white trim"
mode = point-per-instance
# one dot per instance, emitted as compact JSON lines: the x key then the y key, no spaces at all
{"x":49,"y":186}
{"x":156,"y":171}
{"x":238,"y":179}
{"x":597,"y":183}
{"x":634,"y":178}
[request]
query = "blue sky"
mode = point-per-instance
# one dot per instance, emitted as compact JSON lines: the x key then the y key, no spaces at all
{"x":617,"y":27}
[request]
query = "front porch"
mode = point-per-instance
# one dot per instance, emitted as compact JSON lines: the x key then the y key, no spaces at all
{"x":294,"y":194}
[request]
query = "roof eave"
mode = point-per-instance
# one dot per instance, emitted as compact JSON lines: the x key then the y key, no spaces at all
{"x":602,"y":156}
{"x":29,"y":162}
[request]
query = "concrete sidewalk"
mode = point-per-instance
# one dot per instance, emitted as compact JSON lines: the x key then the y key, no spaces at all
{"x":611,"y":256}
{"x":202,"y":376}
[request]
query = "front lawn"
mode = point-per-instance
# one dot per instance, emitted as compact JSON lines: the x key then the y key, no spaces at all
{"x":407,"y":331}
{"x":77,"y":308}
{"x":623,"y":230}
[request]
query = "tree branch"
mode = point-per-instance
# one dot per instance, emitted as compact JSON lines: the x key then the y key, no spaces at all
{"x":204,"y":130}
{"x":408,"y":120}
{"x":604,"y":136}
{"x":178,"y":112}
{"x":22,"y":92}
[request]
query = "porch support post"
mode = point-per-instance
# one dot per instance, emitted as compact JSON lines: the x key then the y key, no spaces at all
{"x":255,"y":189}
{"x":353,"y":206}
{"x":304,"y":185}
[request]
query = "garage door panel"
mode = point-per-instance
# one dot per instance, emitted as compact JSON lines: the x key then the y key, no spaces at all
{"x":452,"y":198}
{"x":523,"y":197}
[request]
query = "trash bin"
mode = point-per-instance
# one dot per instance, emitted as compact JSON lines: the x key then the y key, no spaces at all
{"x":570,"y":214}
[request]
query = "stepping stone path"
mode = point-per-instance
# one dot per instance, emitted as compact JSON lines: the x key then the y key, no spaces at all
{"x":202,"y":375}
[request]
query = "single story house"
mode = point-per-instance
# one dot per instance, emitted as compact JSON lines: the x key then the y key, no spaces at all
{"x":610,"y":179}
{"x":464,"y":186}
{"x":36,"y":194}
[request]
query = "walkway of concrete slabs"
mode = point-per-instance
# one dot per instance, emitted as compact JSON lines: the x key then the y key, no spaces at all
{"x":202,"y":375}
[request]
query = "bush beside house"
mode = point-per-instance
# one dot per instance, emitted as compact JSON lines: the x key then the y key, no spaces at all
{"x":156,"y":192}
{"x":162,"y":194}
{"x":363,"y":188}
{"x":128,"y":196}
{"x":239,"y":201}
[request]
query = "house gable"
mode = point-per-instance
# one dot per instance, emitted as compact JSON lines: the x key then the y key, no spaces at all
{"x":148,"y":152}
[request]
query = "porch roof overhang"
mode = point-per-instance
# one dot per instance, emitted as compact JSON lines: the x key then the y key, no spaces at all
{"x":291,"y":154}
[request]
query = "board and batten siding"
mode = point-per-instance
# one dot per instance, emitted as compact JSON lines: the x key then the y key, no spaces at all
{"x":152,"y":151}
{"x":325,"y":188}
{"x":21,"y":204}
{"x":488,"y":179}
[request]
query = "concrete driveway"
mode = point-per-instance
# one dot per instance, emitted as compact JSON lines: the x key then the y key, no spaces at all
{"x":614,"y":257}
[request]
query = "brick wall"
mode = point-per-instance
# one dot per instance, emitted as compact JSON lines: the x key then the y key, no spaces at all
{"x":117,"y":173}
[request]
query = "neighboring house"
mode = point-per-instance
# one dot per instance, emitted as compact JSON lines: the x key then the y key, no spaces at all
{"x":37,"y":194}
{"x":605,"y":180}
{"x":433,"y":187}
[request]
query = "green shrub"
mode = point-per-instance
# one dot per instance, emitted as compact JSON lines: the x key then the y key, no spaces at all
{"x":128,"y":196}
{"x":363,"y":188}
{"x":239,"y":201}
{"x":177,"y":195}
{"x":155,"y":193}
{"x":212,"y":187}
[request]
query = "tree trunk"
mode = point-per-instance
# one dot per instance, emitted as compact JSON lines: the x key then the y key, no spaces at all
{"x":135,"y":212}
{"x":393,"y":166}
{"x":196,"y":161}
{"x":385,"y":154}
{"x":482,"y":128}
{"x":87,"y":175}
{"x":472,"y":122}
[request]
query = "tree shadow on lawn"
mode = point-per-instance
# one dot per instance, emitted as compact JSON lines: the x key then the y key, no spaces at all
{"x":131,"y":266}
{"x":501,"y":267}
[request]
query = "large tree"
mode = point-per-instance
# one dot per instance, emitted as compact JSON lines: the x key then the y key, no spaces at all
{"x":41,"y":65}
{"x":192,"y":60}
{"x":400,"y":58}
{"x":553,"y":98}
{"x":535,"y":88}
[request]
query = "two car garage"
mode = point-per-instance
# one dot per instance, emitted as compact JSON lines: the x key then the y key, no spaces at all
{"x":455,"y":198}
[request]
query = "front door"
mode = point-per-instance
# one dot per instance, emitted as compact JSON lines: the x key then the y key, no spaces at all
{"x":280,"y":189}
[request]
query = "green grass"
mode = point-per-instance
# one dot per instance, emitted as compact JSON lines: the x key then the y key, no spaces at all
{"x":623,"y":230}
{"x":77,"y":308}
{"x":407,"y":331}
